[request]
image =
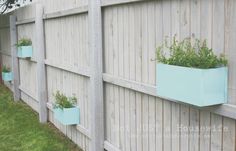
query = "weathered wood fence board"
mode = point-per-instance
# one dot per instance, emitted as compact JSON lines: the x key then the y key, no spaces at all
{"x":15,"y":62}
{"x":135,"y":118}
{"x":172,"y":115}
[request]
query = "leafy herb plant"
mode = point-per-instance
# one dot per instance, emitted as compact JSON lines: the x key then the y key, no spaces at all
{"x":64,"y":102}
{"x":24,"y":42}
{"x":6,"y":69}
{"x":186,"y":53}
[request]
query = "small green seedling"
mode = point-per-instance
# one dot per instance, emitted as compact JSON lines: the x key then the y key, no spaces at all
{"x":64,"y":102}
{"x":6,"y":69}
{"x":24,"y":42}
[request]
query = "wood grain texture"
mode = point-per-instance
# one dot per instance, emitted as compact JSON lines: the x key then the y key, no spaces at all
{"x":41,"y":69}
{"x":15,"y":65}
{"x":96,"y":83}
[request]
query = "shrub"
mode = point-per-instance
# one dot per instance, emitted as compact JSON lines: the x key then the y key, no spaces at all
{"x":6,"y":69}
{"x":187,"y":54}
{"x":24,"y":42}
{"x":64,"y":102}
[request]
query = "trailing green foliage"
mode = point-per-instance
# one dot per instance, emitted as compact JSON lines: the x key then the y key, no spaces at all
{"x":187,"y":54}
{"x":64,"y":102}
{"x":24,"y":42}
{"x":6,"y":69}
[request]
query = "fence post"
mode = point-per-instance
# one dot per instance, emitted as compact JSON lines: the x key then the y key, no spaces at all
{"x":15,"y":61}
{"x":96,"y":85}
{"x":41,"y":69}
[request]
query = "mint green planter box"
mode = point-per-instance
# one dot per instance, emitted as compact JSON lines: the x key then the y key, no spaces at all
{"x":67,"y":116}
{"x":25,"y":52}
{"x":199,"y":87}
{"x":7,"y":76}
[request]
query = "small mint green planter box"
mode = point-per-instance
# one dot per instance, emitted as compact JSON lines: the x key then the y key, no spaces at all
{"x":25,"y":52}
{"x":199,"y":87}
{"x":67,"y":116}
{"x":7,"y":76}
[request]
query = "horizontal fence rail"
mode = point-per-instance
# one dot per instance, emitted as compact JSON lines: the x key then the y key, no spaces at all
{"x":26,"y":21}
{"x":69,"y":68}
{"x":227,"y":110}
{"x":64,"y":13}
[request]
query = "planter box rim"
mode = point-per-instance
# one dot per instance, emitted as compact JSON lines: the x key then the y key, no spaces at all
{"x":6,"y":72}
{"x":192,"y":67}
{"x":25,"y":46}
{"x":67,"y":108}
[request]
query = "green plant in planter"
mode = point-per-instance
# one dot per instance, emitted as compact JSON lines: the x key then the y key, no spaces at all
{"x":25,"y":49}
{"x":65,"y":110}
{"x":64,"y":102}
{"x":6,"y":69}
{"x":24,"y":42}
{"x":194,"y":54}
{"x":7,"y":75}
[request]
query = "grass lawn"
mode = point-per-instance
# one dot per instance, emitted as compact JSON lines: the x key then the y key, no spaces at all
{"x":21,"y":131}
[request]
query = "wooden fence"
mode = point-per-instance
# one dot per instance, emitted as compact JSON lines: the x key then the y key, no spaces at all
{"x":102,"y":52}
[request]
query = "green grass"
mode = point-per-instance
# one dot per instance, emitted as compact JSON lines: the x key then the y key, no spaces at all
{"x":21,"y":131}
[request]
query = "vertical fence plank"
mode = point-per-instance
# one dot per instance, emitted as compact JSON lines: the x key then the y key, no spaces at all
{"x":41,"y":70}
{"x":218,"y":18}
{"x":115,"y":57}
{"x":159,"y":102}
{"x":151,"y":75}
{"x":205,"y":33}
{"x":111,"y":66}
{"x":167,"y":108}
{"x":184,"y":109}
{"x":194,"y":120}
{"x":15,"y":62}
{"x":106,"y":18}
{"x":194,"y":129}
{"x":184,"y":125}
{"x":121,"y":73}
{"x":133,"y":146}
{"x":144,"y":74}
{"x":138,"y":75}
{"x":216,"y":132}
{"x":228,"y":134}
{"x":95,"y":37}
{"x":230,"y":46}
{"x":204,"y":144}
{"x":175,"y":113}
{"x":126,"y":75}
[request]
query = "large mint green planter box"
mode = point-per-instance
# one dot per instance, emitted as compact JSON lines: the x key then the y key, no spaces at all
{"x":25,"y":52}
{"x":199,"y":87}
{"x":67,"y":116}
{"x":7,"y":76}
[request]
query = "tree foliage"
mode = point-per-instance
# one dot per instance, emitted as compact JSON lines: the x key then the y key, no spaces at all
{"x":8,"y":4}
